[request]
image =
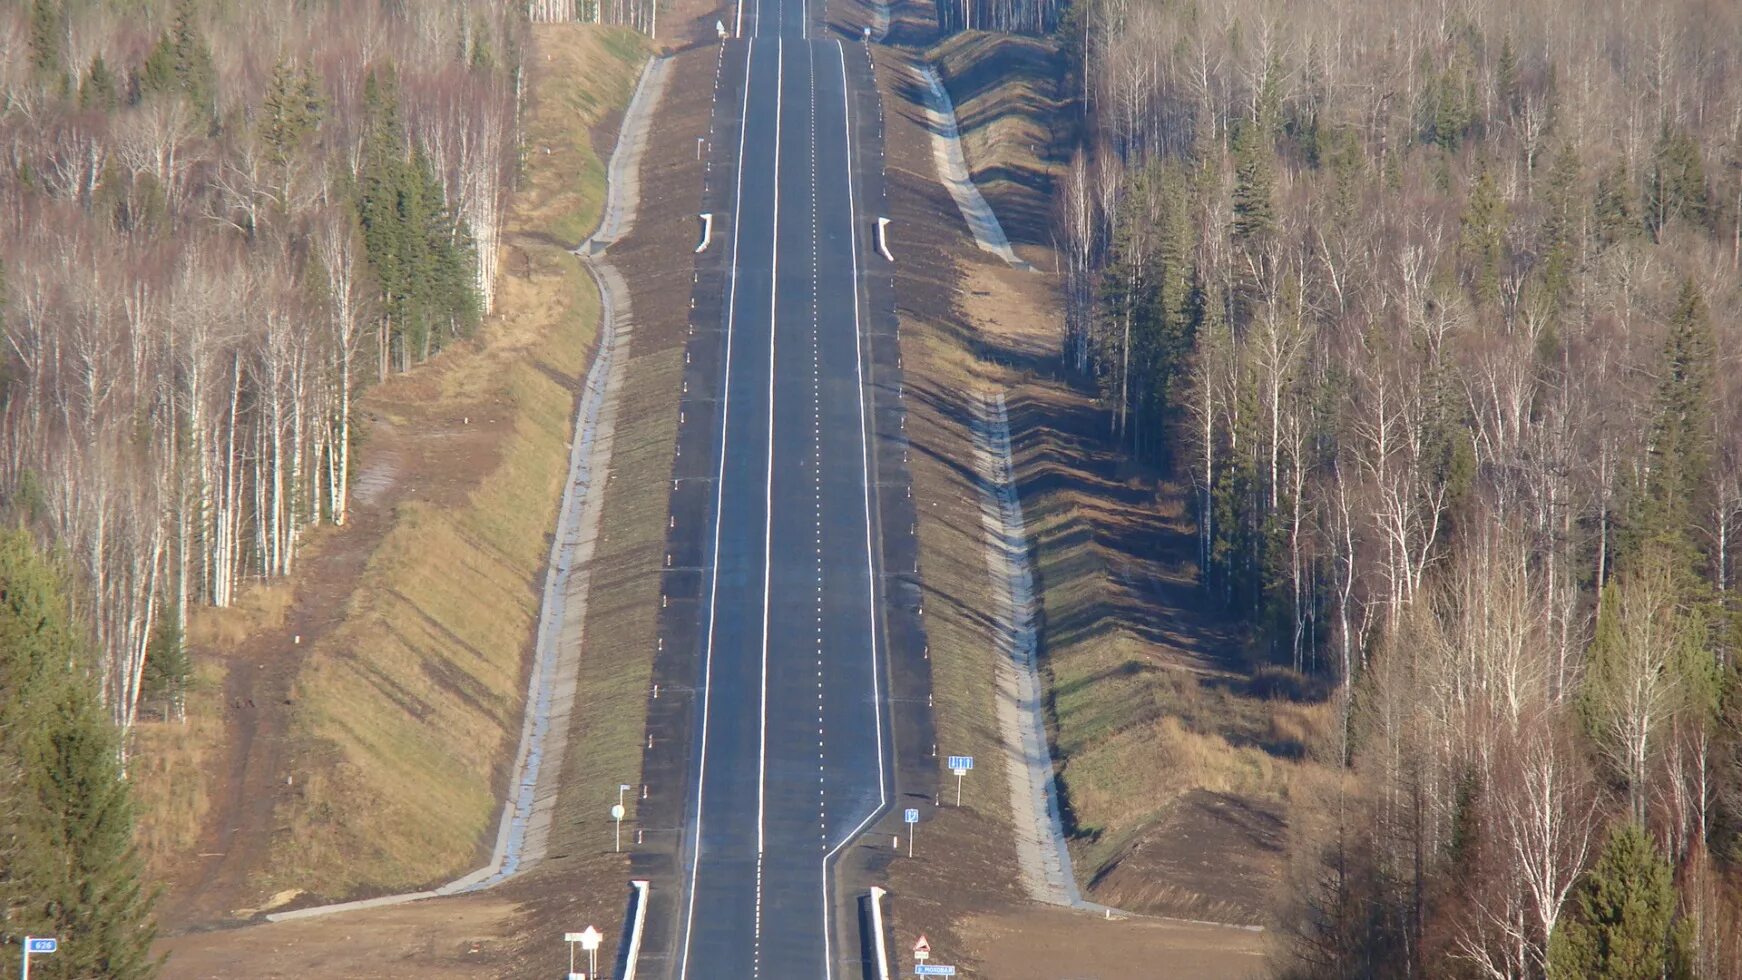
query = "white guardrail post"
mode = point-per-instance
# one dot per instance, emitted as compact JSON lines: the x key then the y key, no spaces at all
{"x":635,"y":928}
{"x":877,"y":932}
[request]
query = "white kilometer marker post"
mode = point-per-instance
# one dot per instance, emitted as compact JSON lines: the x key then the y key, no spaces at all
{"x":36,"y":946}
{"x":617,"y":814}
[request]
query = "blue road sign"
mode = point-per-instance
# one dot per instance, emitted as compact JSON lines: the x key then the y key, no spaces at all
{"x":41,"y":945}
{"x":961,"y":763}
{"x":933,"y":970}
{"x":910,"y":815}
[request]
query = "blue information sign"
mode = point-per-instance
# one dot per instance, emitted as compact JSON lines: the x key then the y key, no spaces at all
{"x":933,"y":970}
{"x":33,"y":944}
{"x":910,"y":815}
{"x":961,"y":763}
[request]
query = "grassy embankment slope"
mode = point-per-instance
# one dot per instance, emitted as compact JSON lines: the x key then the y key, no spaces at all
{"x":407,"y":710}
{"x":1179,"y":765}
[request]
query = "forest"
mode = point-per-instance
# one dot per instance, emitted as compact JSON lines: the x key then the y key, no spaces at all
{"x":221,"y":220}
{"x":1433,"y":309}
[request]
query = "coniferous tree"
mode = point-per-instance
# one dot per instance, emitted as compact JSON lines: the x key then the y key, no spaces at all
{"x":1483,"y":236}
{"x":1677,"y":484}
{"x":1561,"y":224}
{"x":1620,"y":926}
{"x":421,"y":256}
{"x":1613,"y":205}
{"x":1676,"y":185}
{"x":98,"y":90}
{"x":74,"y":873}
{"x":47,"y":32}
{"x":1254,"y":185}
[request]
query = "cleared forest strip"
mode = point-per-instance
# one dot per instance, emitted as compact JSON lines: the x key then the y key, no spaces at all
{"x":402,"y":720}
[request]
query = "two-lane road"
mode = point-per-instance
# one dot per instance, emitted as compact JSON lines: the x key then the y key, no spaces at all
{"x":791,"y":760}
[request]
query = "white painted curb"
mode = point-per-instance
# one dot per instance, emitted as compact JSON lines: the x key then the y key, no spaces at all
{"x":877,"y":932}
{"x":635,"y":930}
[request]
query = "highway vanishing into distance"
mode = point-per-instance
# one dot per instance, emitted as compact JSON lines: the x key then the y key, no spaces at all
{"x":791,"y":758}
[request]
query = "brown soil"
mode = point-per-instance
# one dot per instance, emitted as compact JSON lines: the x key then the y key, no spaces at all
{"x":1214,"y":857}
{"x":451,"y":939}
{"x":1044,"y":944}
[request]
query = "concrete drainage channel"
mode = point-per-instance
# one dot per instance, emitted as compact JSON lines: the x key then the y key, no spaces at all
{"x":1040,"y":836}
{"x":953,"y":171}
{"x":523,"y":832}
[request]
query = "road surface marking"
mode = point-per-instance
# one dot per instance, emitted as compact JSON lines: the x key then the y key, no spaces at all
{"x":719,"y":496}
{"x":768,"y":515}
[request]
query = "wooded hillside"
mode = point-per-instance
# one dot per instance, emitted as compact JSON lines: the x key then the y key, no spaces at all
{"x":1435,"y":309}
{"x":218,"y":220}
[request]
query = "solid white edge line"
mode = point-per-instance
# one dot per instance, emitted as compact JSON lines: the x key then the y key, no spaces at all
{"x":870,"y":565}
{"x":719,"y":490}
{"x":768,"y":502}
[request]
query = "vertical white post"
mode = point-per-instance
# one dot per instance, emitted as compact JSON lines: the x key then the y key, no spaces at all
{"x":24,"y":971}
{"x":958,"y":787}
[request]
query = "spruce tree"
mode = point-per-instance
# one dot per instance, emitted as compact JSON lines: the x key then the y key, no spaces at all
{"x":1677,"y":486}
{"x":1676,"y":185}
{"x":1483,"y":236}
{"x":1619,"y":923}
{"x":1254,"y":185}
{"x":72,"y":872}
{"x":1561,"y":224}
{"x":1613,"y":207}
{"x":47,"y":33}
{"x":98,"y":90}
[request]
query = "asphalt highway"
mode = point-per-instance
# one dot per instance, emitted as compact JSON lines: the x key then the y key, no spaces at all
{"x":791,"y":761}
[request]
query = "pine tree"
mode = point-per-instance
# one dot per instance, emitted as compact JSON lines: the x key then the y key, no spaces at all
{"x":1619,"y":926}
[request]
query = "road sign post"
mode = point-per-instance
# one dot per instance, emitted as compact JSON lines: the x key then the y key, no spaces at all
{"x":910,"y":816}
{"x":960,"y":765}
{"x":921,"y":949}
{"x":36,"y":946}
{"x":589,"y":939}
{"x":617,"y":813}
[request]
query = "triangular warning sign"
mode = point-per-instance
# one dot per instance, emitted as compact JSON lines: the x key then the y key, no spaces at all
{"x":921,"y":946}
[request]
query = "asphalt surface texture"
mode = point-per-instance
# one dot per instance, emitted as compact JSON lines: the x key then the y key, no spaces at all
{"x":792,"y":754}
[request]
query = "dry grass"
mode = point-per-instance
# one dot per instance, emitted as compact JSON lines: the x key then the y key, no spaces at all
{"x":259,"y":608}
{"x":410,"y":709}
{"x":168,"y":768}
